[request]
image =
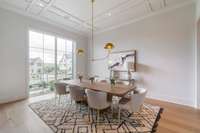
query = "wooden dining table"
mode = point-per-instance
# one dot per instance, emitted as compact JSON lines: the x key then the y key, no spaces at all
{"x":116,"y":90}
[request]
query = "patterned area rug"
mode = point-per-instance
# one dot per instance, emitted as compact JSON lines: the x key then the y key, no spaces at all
{"x":73,"y":118}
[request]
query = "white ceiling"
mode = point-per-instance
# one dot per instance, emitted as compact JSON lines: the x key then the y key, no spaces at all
{"x":76,"y":14}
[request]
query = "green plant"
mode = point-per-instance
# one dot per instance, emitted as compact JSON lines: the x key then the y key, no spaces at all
{"x":112,"y":81}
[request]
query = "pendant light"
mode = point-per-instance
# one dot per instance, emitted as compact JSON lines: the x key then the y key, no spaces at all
{"x":108,"y":46}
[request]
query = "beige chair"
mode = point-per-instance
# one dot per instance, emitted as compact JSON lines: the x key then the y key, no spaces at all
{"x":77,"y":93}
{"x":61,"y":89}
{"x":122,"y":82}
{"x":134,"y":103}
{"x":109,"y":96}
{"x":97,"y":100}
{"x":103,"y":81}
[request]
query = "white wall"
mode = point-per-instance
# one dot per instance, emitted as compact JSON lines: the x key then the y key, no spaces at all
{"x":198,"y":63}
{"x":14,"y":52}
{"x":165,"y":46}
{"x":197,"y":50}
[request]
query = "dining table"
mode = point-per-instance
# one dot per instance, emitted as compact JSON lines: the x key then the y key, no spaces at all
{"x":116,"y":90}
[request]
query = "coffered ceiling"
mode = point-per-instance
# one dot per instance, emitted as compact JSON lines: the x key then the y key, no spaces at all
{"x":76,"y":14}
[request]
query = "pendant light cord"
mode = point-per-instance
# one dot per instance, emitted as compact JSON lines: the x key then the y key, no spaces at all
{"x":92,"y":29}
{"x":92,"y":39}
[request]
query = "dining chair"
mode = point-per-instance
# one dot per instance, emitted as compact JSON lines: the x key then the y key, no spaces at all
{"x":116,"y":98}
{"x":60,"y":90}
{"x":103,"y":81}
{"x":134,"y":103}
{"x":109,"y":96}
{"x":122,"y":82}
{"x":97,"y":100}
{"x":77,"y":94}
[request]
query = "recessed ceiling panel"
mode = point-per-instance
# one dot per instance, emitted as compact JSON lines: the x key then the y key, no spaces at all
{"x":82,"y":8}
{"x":76,"y":14}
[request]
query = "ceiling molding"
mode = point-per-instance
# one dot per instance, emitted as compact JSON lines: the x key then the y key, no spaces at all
{"x":66,"y":15}
{"x":164,"y":10}
{"x":110,"y":9}
{"x":164,"y":3}
{"x":120,"y":11}
{"x":46,"y":7}
{"x":65,"y":27}
{"x":148,"y":2}
{"x":30,"y":5}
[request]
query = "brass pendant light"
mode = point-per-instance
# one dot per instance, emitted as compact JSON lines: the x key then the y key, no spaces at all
{"x":80,"y":51}
{"x":108,"y":46}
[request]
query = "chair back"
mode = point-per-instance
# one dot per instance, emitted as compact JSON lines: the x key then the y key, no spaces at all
{"x":60,"y":88}
{"x":103,"y":81}
{"x":120,"y":82}
{"x":77,"y":93}
{"x":97,"y":100}
{"x":137,"y":99}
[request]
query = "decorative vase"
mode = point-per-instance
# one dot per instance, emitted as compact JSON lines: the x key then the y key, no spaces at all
{"x":92,"y":79}
{"x":80,"y":78}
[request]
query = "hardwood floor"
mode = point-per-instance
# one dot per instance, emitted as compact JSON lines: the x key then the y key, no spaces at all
{"x":177,"y":118}
{"x":17,"y":117}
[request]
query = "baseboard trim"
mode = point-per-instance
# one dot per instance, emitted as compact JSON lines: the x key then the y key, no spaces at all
{"x":161,"y":97}
{"x":13,"y":99}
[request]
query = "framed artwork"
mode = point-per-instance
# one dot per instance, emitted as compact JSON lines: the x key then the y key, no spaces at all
{"x":122,"y":64}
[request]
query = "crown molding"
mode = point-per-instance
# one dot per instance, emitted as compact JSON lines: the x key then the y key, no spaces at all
{"x":45,"y":19}
{"x":167,"y":9}
{"x":85,"y":34}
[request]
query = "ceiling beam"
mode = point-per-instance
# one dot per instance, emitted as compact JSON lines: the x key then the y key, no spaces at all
{"x":30,"y":5}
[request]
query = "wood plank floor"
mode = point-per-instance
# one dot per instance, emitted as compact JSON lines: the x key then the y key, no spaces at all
{"x":177,"y":118}
{"x":17,"y":117}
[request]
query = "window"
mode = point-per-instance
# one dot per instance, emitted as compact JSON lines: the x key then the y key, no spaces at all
{"x":64,"y":59}
{"x":50,"y":59}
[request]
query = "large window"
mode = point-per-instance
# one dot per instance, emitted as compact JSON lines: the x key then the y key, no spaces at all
{"x":50,"y":59}
{"x":64,"y":59}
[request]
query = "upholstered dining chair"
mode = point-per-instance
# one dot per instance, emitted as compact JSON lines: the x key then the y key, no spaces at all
{"x":134,"y":103}
{"x":97,"y":100}
{"x":77,"y":94}
{"x":103,"y":81}
{"x":122,"y":82}
{"x":109,"y":96}
{"x":116,"y":98}
{"x":60,"y":90}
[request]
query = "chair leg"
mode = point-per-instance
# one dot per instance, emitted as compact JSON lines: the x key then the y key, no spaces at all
{"x":112,"y":109}
{"x":80,"y":106}
{"x":119,"y":115}
{"x":89,"y":113}
{"x":59,"y":99}
{"x":98,"y":114}
{"x":76,"y":106}
{"x":70,"y":99}
{"x":55,"y":98}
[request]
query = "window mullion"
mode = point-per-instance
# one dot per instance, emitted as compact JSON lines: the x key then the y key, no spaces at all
{"x":56,"y":73}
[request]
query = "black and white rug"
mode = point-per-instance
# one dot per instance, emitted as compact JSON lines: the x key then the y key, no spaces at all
{"x":72,"y":118}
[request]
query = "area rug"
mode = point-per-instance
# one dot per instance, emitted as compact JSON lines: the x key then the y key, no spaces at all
{"x":65,"y":117}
